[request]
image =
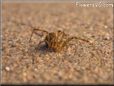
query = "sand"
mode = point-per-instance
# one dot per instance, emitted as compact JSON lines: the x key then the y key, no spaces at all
{"x":80,"y":63}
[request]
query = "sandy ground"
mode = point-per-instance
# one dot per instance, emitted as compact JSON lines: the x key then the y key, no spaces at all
{"x":85,"y":64}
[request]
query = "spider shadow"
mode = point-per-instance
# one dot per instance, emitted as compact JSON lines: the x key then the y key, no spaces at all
{"x":43,"y":49}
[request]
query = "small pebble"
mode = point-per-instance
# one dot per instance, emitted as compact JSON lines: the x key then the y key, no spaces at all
{"x":105,"y":26}
{"x":24,"y":74}
{"x":36,"y":69}
{"x":92,"y":41}
{"x":107,"y":37}
{"x":7,"y":69}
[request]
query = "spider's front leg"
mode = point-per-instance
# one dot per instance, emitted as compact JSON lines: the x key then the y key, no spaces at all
{"x":43,"y":32}
{"x":40,"y":43}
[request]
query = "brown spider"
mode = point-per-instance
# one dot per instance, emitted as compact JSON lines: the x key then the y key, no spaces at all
{"x":55,"y":41}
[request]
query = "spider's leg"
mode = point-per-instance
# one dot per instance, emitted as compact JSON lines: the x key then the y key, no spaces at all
{"x":40,"y":43}
{"x":34,"y":31}
{"x":38,"y":46}
{"x":31,"y":35}
{"x":78,"y":38}
{"x":69,"y":45}
{"x":34,"y":28}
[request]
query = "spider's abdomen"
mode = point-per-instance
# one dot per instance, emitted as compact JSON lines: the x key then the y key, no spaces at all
{"x":56,"y":41}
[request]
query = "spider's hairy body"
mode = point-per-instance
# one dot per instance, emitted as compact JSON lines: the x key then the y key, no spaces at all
{"x":56,"y":40}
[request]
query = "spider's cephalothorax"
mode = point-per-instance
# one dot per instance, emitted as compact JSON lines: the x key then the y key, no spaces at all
{"x":56,"y":40}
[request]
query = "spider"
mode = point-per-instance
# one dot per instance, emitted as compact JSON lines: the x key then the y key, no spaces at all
{"x":55,"y":41}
